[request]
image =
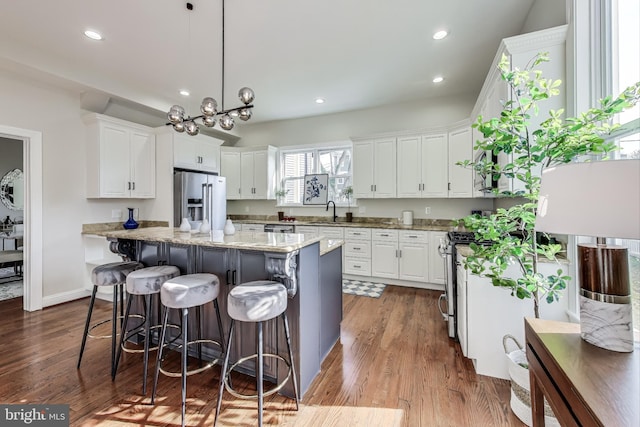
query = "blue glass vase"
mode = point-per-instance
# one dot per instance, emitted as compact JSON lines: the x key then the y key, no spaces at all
{"x":131,"y":223}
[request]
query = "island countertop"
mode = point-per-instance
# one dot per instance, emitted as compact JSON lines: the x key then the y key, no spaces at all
{"x":248,"y":240}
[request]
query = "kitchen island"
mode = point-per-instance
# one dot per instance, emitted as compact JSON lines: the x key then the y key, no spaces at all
{"x":298,"y":261}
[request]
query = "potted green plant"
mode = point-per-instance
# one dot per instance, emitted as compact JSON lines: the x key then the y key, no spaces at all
{"x":512,"y":231}
{"x":347,"y":192}
{"x":280,"y":194}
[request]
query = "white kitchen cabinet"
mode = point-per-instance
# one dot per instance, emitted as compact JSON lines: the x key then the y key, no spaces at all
{"x":121,"y":158}
{"x":413,"y":261}
{"x":357,"y":251}
{"x":199,"y":152}
{"x":374,"y":168}
{"x":331,"y":232}
{"x":309,"y":230}
{"x":250,"y":172}
{"x":460,"y":149}
{"x":495,"y":91}
{"x":436,"y":262}
{"x":230,"y":169}
{"x":422,"y":168}
{"x":384,"y":253}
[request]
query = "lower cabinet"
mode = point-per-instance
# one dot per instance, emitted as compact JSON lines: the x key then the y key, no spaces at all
{"x":414,"y":256}
{"x":357,"y":251}
{"x":384,"y":253}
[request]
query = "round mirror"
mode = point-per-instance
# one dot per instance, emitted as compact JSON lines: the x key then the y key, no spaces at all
{"x":12,"y":190}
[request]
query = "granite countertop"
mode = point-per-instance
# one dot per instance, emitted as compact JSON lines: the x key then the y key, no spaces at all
{"x":249,"y":240}
{"x":383,"y":223}
{"x":328,"y":245}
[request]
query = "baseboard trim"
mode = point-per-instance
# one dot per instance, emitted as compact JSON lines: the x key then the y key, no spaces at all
{"x":63,"y":297}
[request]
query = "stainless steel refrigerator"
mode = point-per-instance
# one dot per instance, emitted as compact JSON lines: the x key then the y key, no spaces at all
{"x":197,"y":196}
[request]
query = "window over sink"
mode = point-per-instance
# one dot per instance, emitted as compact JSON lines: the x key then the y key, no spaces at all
{"x":296,"y":163}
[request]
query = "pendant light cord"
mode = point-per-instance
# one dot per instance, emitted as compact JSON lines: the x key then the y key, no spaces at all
{"x":222,"y":55}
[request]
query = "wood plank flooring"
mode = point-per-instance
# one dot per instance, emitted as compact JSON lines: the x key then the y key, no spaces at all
{"x":393,"y":366}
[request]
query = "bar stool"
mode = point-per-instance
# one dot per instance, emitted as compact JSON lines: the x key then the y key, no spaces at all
{"x":183,"y":293}
{"x":113,"y":274}
{"x":257,"y":302}
{"x":144,"y":283}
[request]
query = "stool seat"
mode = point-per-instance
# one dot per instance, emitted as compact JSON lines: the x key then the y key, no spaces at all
{"x":149,"y":280}
{"x":257,"y":301}
{"x":113,"y":273}
{"x":190,"y":290}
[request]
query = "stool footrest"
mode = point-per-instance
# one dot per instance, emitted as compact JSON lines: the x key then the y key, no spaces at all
{"x":139,"y":329}
{"x":266,"y":393}
{"x":100,"y":323}
{"x":192,"y":371}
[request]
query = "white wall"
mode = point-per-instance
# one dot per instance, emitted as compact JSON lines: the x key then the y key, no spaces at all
{"x":65,"y":208}
{"x":545,"y":14}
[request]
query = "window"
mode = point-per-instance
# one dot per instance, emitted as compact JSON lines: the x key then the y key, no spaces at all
{"x":295,"y":164}
{"x":620,"y":69}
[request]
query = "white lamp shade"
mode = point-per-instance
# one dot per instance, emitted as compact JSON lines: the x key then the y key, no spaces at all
{"x":600,"y":199}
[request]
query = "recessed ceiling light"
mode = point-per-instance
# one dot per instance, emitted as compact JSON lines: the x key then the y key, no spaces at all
{"x":319,"y":100}
{"x":93,"y":35}
{"x":438,"y":79}
{"x":184,"y":92}
{"x":439,"y":35}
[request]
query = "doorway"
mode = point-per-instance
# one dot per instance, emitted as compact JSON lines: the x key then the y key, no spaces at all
{"x":32,"y":214}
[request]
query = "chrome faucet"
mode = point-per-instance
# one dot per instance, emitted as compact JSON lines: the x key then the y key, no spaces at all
{"x":334,"y":209}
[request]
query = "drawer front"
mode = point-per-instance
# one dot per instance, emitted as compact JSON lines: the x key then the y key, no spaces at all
{"x":331,"y":232}
{"x":385,"y":235}
{"x":357,"y":249}
{"x":302,"y":229}
{"x":359,"y":266}
{"x":414,"y":236}
{"x":357,"y":233}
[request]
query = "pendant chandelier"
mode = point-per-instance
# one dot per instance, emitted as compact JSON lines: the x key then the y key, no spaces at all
{"x":209,"y":107}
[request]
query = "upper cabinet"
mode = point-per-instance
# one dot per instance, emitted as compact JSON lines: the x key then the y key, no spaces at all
{"x":250,"y":172}
{"x":460,"y":149}
{"x":374,"y":168}
{"x":495,"y":91}
{"x":121,"y":158}
{"x":422,"y":169}
{"x":200,"y":152}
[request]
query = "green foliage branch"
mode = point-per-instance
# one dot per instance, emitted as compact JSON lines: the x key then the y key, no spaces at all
{"x":511,"y":232}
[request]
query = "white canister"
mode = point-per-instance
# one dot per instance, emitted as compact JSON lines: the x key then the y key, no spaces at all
{"x":229,"y":228}
{"x":185,"y":225}
{"x":407,"y":217}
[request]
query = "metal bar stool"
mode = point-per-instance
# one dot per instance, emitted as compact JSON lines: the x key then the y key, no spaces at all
{"x":183,"y":293}
{"x":144,"y":283}
{"x":113,"y":274}
{"x":257,"y":302}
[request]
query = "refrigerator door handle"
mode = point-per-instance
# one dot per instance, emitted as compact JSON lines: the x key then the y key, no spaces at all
{"x":204,"y":202}
{"x":210,"y":203}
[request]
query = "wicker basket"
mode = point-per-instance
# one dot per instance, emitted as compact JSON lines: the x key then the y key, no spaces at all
{"x":520,"y":390}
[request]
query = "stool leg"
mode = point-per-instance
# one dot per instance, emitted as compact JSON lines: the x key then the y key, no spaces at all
{"x":259,"y":368}
{"x":147,"y":338}
{"x":123,"y":333}
{"x":114,"y":327}
{"x":223,"y":372}
{"x":185,"y":339}
{"x":293,"y":366}
{"x":219,"y":319}
{"x":163,"y":332}
{"x":87,"y":323}
{"x":199,"y":320}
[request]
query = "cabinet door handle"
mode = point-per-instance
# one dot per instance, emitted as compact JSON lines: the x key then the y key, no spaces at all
{"x":371,"y":187}
{"x":375,"y":187}
{"x":449,"y":186}
{"x":400,"y":253}
{"x":128,"y":185}
{"x":412,"y":236}
{"x":228,"y":277}
{"x":133,"y":185}
{"x":233,"y":277}
{"x":356,"y":266}
{"x":355,"y":248}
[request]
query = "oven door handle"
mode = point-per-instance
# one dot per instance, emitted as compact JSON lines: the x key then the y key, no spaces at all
{"x":443,"y":297}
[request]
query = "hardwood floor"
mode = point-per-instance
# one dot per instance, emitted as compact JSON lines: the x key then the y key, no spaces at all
{"x":394,"y":366}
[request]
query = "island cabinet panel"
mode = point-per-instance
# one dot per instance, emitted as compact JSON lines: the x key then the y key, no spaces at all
{"x":314,"y":311}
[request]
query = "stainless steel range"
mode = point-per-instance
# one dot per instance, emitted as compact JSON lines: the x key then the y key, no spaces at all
{"x":449,"y":298}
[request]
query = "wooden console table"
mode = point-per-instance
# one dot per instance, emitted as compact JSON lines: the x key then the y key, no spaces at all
{"x":584,"y":384}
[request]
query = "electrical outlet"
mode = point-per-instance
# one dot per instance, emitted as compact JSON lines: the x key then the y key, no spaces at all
{"x":246,"y":208}
{"x":427,"y":210}
{"x":362,"y":209}
{"x":116,"y":213}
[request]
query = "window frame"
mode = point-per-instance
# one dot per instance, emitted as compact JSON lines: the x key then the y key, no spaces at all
{"x":315,"y":151}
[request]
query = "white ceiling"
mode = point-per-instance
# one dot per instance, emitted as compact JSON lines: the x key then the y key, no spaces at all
{"x":354,"y":53}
